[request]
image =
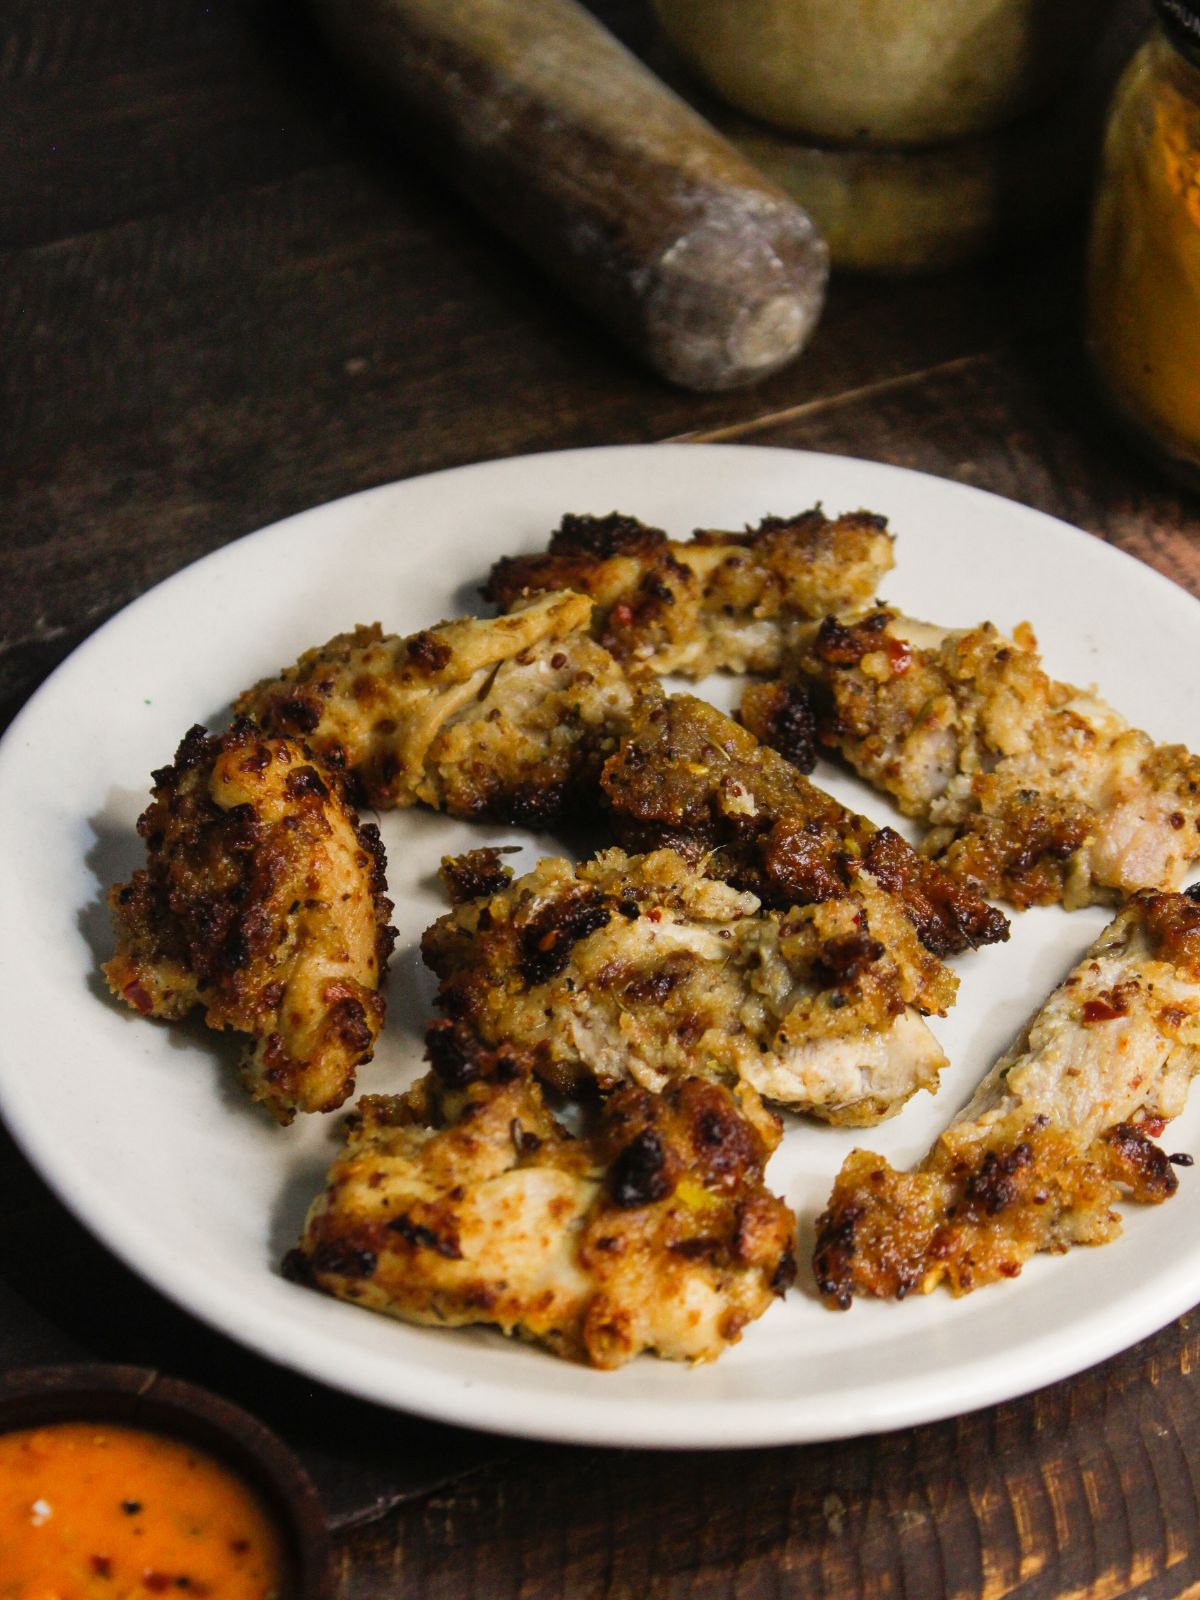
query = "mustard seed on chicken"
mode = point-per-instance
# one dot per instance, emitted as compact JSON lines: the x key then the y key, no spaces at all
{"x":262,"y":901}
{"x":465,"y":1201}
{"x":720,"y":600}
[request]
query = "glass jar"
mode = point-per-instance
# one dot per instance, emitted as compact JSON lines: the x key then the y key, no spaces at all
{"x":1143,"y":312}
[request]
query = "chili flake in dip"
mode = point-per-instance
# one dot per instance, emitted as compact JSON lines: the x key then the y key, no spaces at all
{"x":89,"y":1510}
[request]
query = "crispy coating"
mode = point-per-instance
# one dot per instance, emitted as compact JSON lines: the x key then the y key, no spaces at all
{"x":721,"y":600}
{"x":643,"y":968}
{"x":1035,"y":791}
{"x":262,"y":901}
{"x":688,"y":776}
{"x":507,"y":719}
{"x":465,"y":1201}
{"x":475,"y":872}
{"x":1058,"y":1131}
{"x":779,"y":713}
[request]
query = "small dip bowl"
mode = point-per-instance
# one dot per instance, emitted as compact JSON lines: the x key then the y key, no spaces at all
{"x":138,"y":1397}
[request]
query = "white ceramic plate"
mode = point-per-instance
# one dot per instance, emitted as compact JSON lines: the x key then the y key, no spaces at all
{"x":140,"y":1130}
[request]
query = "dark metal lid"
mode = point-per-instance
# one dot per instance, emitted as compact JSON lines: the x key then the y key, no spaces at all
{"x":1181,"y":20}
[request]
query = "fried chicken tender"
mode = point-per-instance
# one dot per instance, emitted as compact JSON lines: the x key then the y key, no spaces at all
{"x":1035,"y":791}
{"x":1059,"y":1130}
{"x":689,"y":777}
{"x":464,"y":1201}
{"x":722,"y":600}
{"x":262,"y":901}
{"x":507,"y":718}
{"x":643,"y":968}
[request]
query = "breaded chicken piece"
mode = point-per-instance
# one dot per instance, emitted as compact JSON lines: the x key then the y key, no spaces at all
{"x":1058,"y":1131}
{"x":507,"y":718}
{"x":465,"y":1201}
{"x":262,"y":901}
{"x":722,"y":600}
{"x":1035,"y":791}
{"x":690,"y":777}
{"x":642,"y":968}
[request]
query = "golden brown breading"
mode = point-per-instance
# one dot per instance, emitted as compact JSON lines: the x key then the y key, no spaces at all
{"x":464,"y":1201}
{"x":1035,"y":791}
{"x":722,"y":600}
{"x":1058,"y":1131}
{"x":476,"y":872}
{"x":506,"y":718}
{"x":262,"y":900}
{"x":645,"y":969}
{"x":688,"y":776}
{"x":779,"y":713}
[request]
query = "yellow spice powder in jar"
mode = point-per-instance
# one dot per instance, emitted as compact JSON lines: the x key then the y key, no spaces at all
{"x":1144,"y":258}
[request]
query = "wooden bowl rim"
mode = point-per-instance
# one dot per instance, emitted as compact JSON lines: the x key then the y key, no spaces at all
{"x":142,"y":1397}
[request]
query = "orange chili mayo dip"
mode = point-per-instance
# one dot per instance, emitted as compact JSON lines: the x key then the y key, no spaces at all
{"x":88,"y":1510}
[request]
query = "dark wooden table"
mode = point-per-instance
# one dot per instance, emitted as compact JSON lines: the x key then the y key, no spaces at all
{"x":225,"y":298}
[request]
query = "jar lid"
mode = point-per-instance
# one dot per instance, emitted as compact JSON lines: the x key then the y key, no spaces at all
{"x":1181,"y":19}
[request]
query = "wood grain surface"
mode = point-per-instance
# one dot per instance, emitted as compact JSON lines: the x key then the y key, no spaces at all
{"x":225,"y":297}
